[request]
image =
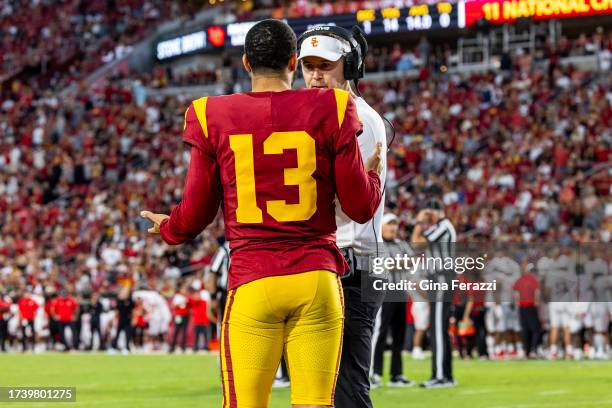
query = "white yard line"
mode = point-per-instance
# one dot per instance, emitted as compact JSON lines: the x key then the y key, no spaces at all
{"x":476,"y":392}
{"x":553,"y":392}
{"x":556,"y":404}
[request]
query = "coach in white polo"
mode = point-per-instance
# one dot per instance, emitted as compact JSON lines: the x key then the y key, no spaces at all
{"x":332,"y":57}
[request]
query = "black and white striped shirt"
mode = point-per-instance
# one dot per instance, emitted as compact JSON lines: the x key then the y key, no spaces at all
{"x":394,"y":248}
{"x":220,"y":266}
{"x":441,"y":238}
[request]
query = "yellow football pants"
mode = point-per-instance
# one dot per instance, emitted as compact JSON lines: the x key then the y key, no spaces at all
{"x":302,"y":314}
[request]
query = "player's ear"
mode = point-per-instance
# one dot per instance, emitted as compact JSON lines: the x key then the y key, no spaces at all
{"x":245,"y":62}
{"x":292,"y":65}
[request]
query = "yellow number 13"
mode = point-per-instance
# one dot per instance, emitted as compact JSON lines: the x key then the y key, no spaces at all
{"x":247,"y":211}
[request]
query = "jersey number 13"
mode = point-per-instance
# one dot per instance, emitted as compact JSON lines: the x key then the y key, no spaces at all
{"x":247,"y":211}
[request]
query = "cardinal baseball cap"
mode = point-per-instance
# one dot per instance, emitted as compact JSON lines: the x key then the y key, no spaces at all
{"x":324,"y":46}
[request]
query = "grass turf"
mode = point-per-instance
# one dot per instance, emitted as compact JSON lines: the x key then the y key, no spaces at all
{"x":193,"y":381}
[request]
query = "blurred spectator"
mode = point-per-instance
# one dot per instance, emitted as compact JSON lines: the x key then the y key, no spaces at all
{"x":96,"y":311}
{"x":180,"y":304}
{"x":125,"y":306}
{"x":201,"y":314}
{"x":27,"y":311}
{"x":139,"y":322}
{"x":65,"y":309}
{"x":5,"y":306}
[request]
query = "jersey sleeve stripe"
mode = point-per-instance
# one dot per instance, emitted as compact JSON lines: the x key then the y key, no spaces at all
{"x":341,"y":101}
{"x":199,"y":105}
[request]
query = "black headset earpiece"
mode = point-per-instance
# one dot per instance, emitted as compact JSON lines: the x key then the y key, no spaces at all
{"x":359,"y":37}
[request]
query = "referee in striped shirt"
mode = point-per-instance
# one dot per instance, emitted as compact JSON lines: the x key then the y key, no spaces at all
{"x":438,"y":233}
{"x":220,"y":267}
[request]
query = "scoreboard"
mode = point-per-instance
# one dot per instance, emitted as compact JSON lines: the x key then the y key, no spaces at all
{"x":418,"y":18}
{"x":439,"y":16}
{"x":390,"y":20}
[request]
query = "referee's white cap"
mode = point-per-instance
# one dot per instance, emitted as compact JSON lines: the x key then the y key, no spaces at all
{"x":389,"y":217}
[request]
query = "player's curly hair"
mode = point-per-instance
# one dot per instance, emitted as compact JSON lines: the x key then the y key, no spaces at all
{"x":269,"y":45}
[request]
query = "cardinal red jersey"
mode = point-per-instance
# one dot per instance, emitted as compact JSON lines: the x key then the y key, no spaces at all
{"x":4,"y":308}
{"x":138,"y":316}
{"x":50,"y":308}
{"x":527,"y":286}
{"x":65,"y":308}
{"x":199,"y":308}
{"x":27,"y":308}
{"x":180,"y":305}
{"x":277,"y":161}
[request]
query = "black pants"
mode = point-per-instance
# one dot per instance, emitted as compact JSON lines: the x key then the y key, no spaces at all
{"x":24,"y":325}
{"x":441,"y":361}
{"x":95,"y":328}
{"x":353,"y":385}
{"x":138,"y":335}
{"x":393,"y":317}
{"x":463,"y":342}
{"x":530,"y":328}
{"x":180,"y":326}
{"x":204,"y":331}
{"x":3,"y":333}
{"x":77,"y":326}
{"x":53,"y":333}
{"x":125,"y":327}
{"x":480,"y":338}
{"x":62,"y":331}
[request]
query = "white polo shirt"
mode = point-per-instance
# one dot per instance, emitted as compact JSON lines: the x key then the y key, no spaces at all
{"x":362,"y":237}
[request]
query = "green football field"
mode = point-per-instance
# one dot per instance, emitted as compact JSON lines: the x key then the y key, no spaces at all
{"x":192,"y":381}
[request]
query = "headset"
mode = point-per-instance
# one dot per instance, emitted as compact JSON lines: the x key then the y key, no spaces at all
{"x":354,"y":68}
{"x":353,"y":60}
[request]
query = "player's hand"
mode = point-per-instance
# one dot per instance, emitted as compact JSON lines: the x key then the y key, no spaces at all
{"x":156,"y":219}
{"x":375,"y":160}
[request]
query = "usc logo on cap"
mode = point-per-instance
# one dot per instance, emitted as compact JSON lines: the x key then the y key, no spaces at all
{"x":314,"y":42}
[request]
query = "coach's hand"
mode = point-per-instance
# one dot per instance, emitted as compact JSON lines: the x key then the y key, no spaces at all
{"x":375,"y":160}
{"x":156,"y":219}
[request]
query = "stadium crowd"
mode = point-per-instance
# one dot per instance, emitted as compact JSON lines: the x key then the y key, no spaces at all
{"x":57,"y":42}
{"x":518,"y":155}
